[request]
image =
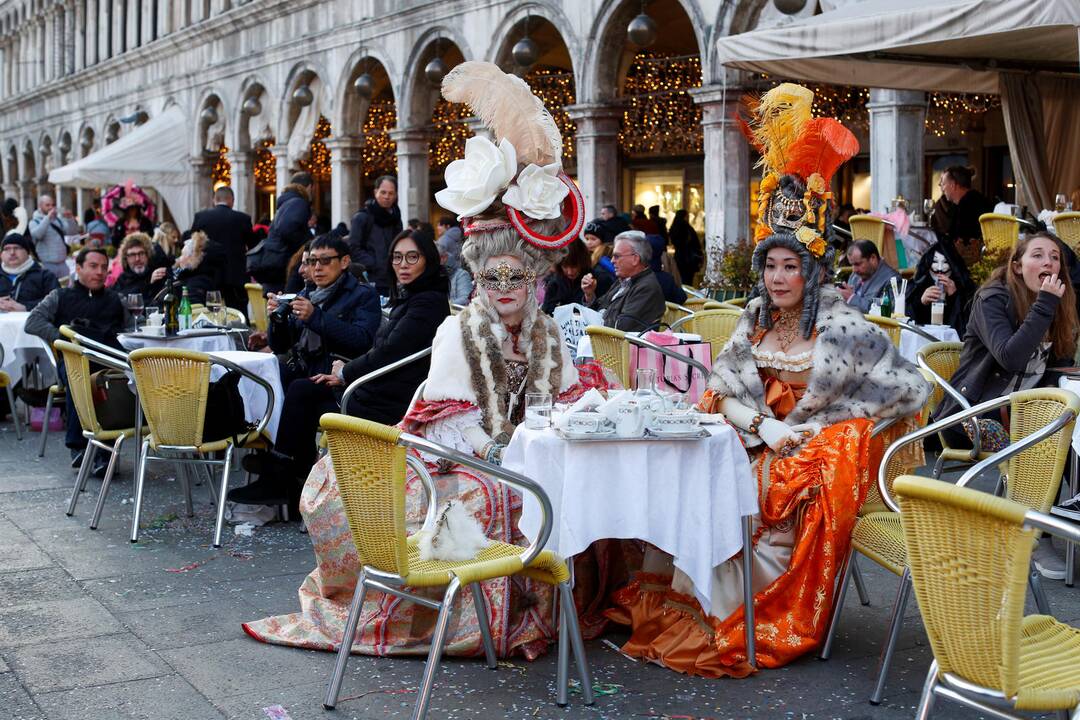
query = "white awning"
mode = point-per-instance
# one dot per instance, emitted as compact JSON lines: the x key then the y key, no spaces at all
{"x":945,"y":45}
{"x":154,"y":155}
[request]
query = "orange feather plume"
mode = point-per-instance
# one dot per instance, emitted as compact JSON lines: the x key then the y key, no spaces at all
{"x":822,"y":147}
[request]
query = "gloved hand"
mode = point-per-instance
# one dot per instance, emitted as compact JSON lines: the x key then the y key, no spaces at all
{"x":780,"y":438}
{"x":807,"y":431}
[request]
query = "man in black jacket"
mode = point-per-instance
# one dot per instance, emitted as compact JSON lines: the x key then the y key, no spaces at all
{"x":288,"y":232}
{"x":23,"y":281}
{"x":91,"y":309}
{"x":636,"y":302}
{"x":372,"y":231}
{"x":230,"y":237}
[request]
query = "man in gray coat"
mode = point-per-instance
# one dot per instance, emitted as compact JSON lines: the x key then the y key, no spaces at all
{"x":48,"y":230}
{"x":869,"y":276}
{"x":636,"y":302}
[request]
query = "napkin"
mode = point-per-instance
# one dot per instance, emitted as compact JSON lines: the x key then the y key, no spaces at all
{"x":589,"y":401}
{"x":616,"y":399}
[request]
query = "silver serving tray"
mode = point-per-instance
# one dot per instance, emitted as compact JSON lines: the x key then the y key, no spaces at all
{"x":649,"y":435}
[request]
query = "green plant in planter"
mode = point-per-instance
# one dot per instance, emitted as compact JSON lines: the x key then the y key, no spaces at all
{"x":736,"y":274}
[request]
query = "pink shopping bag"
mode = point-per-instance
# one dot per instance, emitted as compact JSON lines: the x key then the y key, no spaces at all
{"x":672,"y":375}
{"x":37,"y":418}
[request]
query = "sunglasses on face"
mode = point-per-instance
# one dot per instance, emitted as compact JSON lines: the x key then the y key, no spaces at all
{"x":321,"y":261}
{"x":410,"y":258}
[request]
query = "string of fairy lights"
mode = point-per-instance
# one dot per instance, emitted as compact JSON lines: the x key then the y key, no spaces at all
{"x":380,"y":151}
{"x":555,"y":88}
{"x":265,"y":165}
{"x":660,"y":117}
{"x":318,"y":160}
{"x":449,"y":131}
{"x":221,"y":173}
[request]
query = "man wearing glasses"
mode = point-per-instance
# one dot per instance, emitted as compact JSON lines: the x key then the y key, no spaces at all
{"x":337,"y":318}
{"x":636,"y":302}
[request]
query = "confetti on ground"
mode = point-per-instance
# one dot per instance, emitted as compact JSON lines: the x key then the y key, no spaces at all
{"x":242,"y":554}
{"x":190,"y":566}
{"x":245,"y":529}
{"x":276,"y":712}
{"x":511,"y":666}
{"x":399,"y":691}
{"x":162,"y":521}
{"x":598,"y":688}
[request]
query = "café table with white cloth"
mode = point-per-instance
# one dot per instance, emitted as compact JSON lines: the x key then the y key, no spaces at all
{"x":911,"y":343}
{"x":692,"y":499}
{"x":21,"y":348}
{"x":206,"y":341}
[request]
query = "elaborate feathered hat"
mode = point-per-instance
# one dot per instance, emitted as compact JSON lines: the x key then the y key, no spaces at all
{"x":517,"y":181}
{"x":799,"y":156}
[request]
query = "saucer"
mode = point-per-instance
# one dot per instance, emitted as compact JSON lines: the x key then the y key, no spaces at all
{"x":695,"y":432}
{"x":572,"y":435}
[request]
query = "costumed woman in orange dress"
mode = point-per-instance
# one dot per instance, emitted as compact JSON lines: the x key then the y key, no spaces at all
{"x":511,"y":197}
{"x":802,"y":380}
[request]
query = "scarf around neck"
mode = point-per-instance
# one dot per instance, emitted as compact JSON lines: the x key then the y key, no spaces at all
{"x":18,"y":269}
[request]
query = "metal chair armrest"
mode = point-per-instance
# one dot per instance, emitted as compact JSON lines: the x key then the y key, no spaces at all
{"x":913,"y":328}
{"x":640,"y":342}
{"x":674,"y":327}
{"x":110,"y":361}
{"x":693,"y":292}
{"x":421,"y":471}
{"x":882,"y":425}
{"x":378,"y":373}
{"x":1055,"y":526}
{"x":100,"y":347}
{"x":265,"y":419}
{"x":960,"y":400}
{"x":1012,"y":449}
{"x":924,"y":432}
{"x":514,"y":480}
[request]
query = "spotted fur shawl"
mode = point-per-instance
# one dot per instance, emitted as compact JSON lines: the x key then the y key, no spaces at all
{"x":467,"y":362}
{"x":857,"y":371}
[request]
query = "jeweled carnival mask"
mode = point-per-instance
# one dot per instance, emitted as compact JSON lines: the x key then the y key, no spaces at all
{"x":504,"y":278}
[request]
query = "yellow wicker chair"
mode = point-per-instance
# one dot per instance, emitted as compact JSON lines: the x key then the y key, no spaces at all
{"x":714,"y":326}
{"x":173,"y":387}
{"x":942,"y":359}
{"x":77,"y":365}
{"x":694,"y":304}
{"x":1041,"y":423}
{"x":739,"y":302}
{"x":969,"y":554}
{"x":867,"y":227}
{"x":370,"y":463}
{"x":1067,"y":227}
{"x":7,"y":384}
{"x":890,"y":326}
{"x":57,"y":393}
{"x":999,"y":232}
{"x":611,"y":350}
{"x":257,"y":303}
{"x":675,"y":312}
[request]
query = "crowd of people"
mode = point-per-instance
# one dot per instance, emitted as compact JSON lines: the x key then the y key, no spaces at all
{"x":802,"y":380}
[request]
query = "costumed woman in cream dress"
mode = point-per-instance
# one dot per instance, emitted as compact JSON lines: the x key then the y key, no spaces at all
{"x":511,"y":197}
{"x":802,"y":380}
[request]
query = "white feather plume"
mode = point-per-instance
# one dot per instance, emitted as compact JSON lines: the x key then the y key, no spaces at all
{"x":507,"y":105}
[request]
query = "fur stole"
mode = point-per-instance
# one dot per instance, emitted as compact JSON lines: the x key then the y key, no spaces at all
{"x":857,"y":371}
{"x":467,"y":363}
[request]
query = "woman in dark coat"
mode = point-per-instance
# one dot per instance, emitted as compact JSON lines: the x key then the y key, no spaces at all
{"x":563,"y":286}
{"x":941,"y":264}
{"x":419,"y":303}
{"x":688,"y":253}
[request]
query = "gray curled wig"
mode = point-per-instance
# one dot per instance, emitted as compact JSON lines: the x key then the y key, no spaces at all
{"x":815,"y":271}
{"x":502,"y":239}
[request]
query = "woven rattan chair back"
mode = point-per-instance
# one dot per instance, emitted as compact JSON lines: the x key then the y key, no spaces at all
{"x":79,"y":384}
{"x":695,"y":303}
{"x":969,"y":557}
{"x":173,"y":387}
{"x":1035,"y":473}
{"x":943,"y":358}
{"x":370,"y":469}
{"x":867,"y":227}
{"x":737,"y":302}
{"x":611,"y":350}
{"x":672,"y":314}
{"x":1067,"y":227}
{"x":257,"y":301}
{"x":999,"y":232}
{"x":888,"y":325}
{"x":714,"y":326}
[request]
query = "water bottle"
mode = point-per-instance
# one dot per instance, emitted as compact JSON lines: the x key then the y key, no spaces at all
{"x":887,"y":304}
{"x":183,"y":313}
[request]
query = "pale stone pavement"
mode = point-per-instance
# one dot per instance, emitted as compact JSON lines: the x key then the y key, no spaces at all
{"x":93,"y":627}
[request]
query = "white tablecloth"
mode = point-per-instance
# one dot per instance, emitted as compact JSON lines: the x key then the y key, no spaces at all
{"x":910,"y":342}
{"x":266,"y":366}
{"x":686,"y":498}
{"x":22,"y":347}
{"x":198,"y":343}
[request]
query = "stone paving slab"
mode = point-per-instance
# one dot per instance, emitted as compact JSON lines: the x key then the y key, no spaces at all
{"x":15,"y":702}
{"x":162,"y":698}
{"x":68,"y":664}
{"x":47,"y":622}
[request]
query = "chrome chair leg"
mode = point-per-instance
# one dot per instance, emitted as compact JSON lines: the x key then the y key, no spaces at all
{"x":1042,"y":602}
{"x":81,"y":478}
{"x":860,"y":586}
{"x":109,"y":471}
{"x":221,"y":497}
{"x":140,"y":478}
{"x":838,"y":604}
{"x":45,"y":425}
{"x":902,"y":594}
{"x":938,"y":467}
{"x":576,"y":643}
{"x":562,"y":667}
{"x":926,"y":702}
{"x":185,"y":485}
{"x":481,"y":607}
{"x":347,"y":636}
{"x":438,"y":637}
{"x":14,"y":412}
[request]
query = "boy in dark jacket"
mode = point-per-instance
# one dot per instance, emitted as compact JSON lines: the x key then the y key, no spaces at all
{"x":372,"y":231}
{"x":288,"y":232}
{"x":23,"y":281}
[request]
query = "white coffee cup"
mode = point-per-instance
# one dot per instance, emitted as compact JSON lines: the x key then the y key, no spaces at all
{"x":587,"y":422}
{"x":629,"y":420}
{"x":675,"y":422}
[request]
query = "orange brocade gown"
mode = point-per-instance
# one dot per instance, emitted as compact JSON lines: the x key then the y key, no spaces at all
{"x":818,"y":491}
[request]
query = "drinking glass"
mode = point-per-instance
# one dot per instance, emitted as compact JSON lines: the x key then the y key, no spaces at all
{"x":927,"y":208}
{"x":1059,"y":202}
{"x":215,"y":305}
{"x":134,"y":304}
{"x":538,"y":410}
{"x":645,"y":379}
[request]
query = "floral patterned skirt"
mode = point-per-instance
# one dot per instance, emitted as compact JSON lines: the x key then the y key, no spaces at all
{"x":520,"y":610}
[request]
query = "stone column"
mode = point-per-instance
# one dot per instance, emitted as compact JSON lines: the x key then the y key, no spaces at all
{"x":346,"y":165}
{"x":201,"y":167}
{"x":218,"y":7}
{"x":164,"y":18}
{"x":118,"y":28}
{"x":281,"y":162}
{"x":727,"y":175}
{"x":79,"y":30}
{"x":83,"y":199}
{"x":597,"y":155}
{"x":146,"y":34}
{"x":90,"y":30}
{"x":49,"y":45}
{"x":897,"y":129}
{"x":414,"y":188}
{"x":26,"y":195}
{"x":243,"y":181}
{"x":107,"y":9}
{"x":132,"y":23}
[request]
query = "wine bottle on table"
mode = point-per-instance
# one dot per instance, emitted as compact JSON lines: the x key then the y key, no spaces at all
{"x":171,"y":304}
{"x":184,"y":311}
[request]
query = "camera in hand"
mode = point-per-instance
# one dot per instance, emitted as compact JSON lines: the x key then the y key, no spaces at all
{"x":284,"y":309}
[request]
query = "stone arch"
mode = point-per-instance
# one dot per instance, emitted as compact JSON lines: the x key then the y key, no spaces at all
{"x":608,"y":57}
{"x":65,"y":147}
{"x":46,"y":157}
{"x":349,"y":107}
{"x":417,"y":97}
{"x":111,"y":129}
{"x":247,"y":130}
{"x":210,"y":135}
{"x":86,"y":139}
{"x":508,"y":33}
{"x":301,"y":73}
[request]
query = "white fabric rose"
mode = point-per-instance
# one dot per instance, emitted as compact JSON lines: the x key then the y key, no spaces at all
{"x":474,"y":182}
{"x":538,"y":192}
